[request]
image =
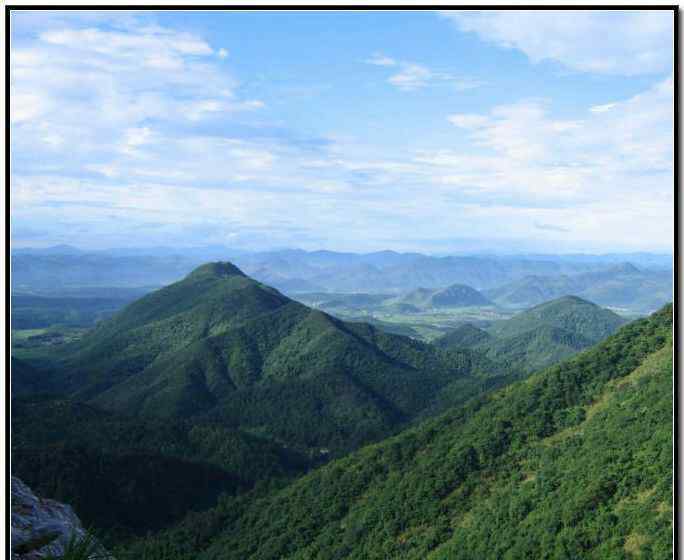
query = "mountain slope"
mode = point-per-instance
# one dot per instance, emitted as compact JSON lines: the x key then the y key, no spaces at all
{"x":131,"y":475}
{"x":219,"y":345}
{"x":535,"y":349}
{"x":464,"y":336}
{"x":575,"y":462}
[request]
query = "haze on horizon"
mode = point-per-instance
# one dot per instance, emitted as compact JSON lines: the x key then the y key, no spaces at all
{"x":436,"y":132}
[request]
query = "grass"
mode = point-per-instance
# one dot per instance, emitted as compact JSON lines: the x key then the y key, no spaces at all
{"x":82,"y":548}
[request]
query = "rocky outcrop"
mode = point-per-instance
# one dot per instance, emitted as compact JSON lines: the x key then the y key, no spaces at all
{"x":43,"y":528}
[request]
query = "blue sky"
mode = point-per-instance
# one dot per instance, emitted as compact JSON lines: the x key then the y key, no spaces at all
{"x":432,"y":131}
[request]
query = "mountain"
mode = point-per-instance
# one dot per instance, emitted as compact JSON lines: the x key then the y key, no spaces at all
{"x":569,"y":313}
{"x":292,"y":270}
{"x":54,"y":273}
{"x":574,"y":462}
{"x":622,"y":285}
{"x":222,"y":347}
{"x":456,"y":295}
{"x":53,"y":250}
{"x":541,"y":336}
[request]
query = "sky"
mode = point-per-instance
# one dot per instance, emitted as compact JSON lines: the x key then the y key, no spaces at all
{"x":430,"y":131}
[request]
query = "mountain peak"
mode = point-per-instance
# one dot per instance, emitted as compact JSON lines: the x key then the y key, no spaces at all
{"x":625,"y":267}
{"x":567,"y":299}
{"x":220,"y":269}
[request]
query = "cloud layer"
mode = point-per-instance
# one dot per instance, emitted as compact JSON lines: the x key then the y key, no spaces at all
{"x":125,"y":132}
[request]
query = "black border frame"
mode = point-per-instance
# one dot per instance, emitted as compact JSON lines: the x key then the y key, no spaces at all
{"x":341,"y":7}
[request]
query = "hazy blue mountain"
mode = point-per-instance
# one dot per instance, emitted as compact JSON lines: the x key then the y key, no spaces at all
{"x":622,"y":285}
{"x":518,"y":281}
{"x":456,"y":295}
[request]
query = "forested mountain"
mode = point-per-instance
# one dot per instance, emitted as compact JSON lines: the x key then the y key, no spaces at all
{"x":574,"y":462}
{"x":222,"y":347}
{"x":541,"y":336}
{"x":570,"y":313}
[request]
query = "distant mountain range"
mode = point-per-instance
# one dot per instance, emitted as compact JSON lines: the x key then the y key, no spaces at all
{"x":622,"y":285}
{"x":509,"y":281}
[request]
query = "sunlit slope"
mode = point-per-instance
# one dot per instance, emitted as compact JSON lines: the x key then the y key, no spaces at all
{"x":575,"y":462}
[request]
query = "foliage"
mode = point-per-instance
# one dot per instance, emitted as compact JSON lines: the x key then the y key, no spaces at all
{"x":81,"y":548}
{"x":128,"y":475}
{"x":573,"y":462}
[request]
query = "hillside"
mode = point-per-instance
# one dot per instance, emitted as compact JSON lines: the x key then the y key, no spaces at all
{"x":464,"y":336}
{"x":220,"y":346}
{"x":128,"y":475}
{"x":541,"y":336}
{"x":575,"y":462}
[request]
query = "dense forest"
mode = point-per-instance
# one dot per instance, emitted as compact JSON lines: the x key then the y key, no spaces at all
{"x":574,"y":462}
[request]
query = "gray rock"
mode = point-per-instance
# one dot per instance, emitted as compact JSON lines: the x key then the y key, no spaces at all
{"x":42,"y":528}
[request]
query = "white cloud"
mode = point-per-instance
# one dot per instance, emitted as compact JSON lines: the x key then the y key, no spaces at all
{"x":468,"y":121}
{"x":411,"y":76}
{"x":104,"y":136}
{"x":115,"y":43}
{"x":223,"y":53}
{"x":26,"y":106}
{"x":379,"y":59}
{"x":596,"y":176}
{"x":626,"y":42}
{"x":602,"y":108}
